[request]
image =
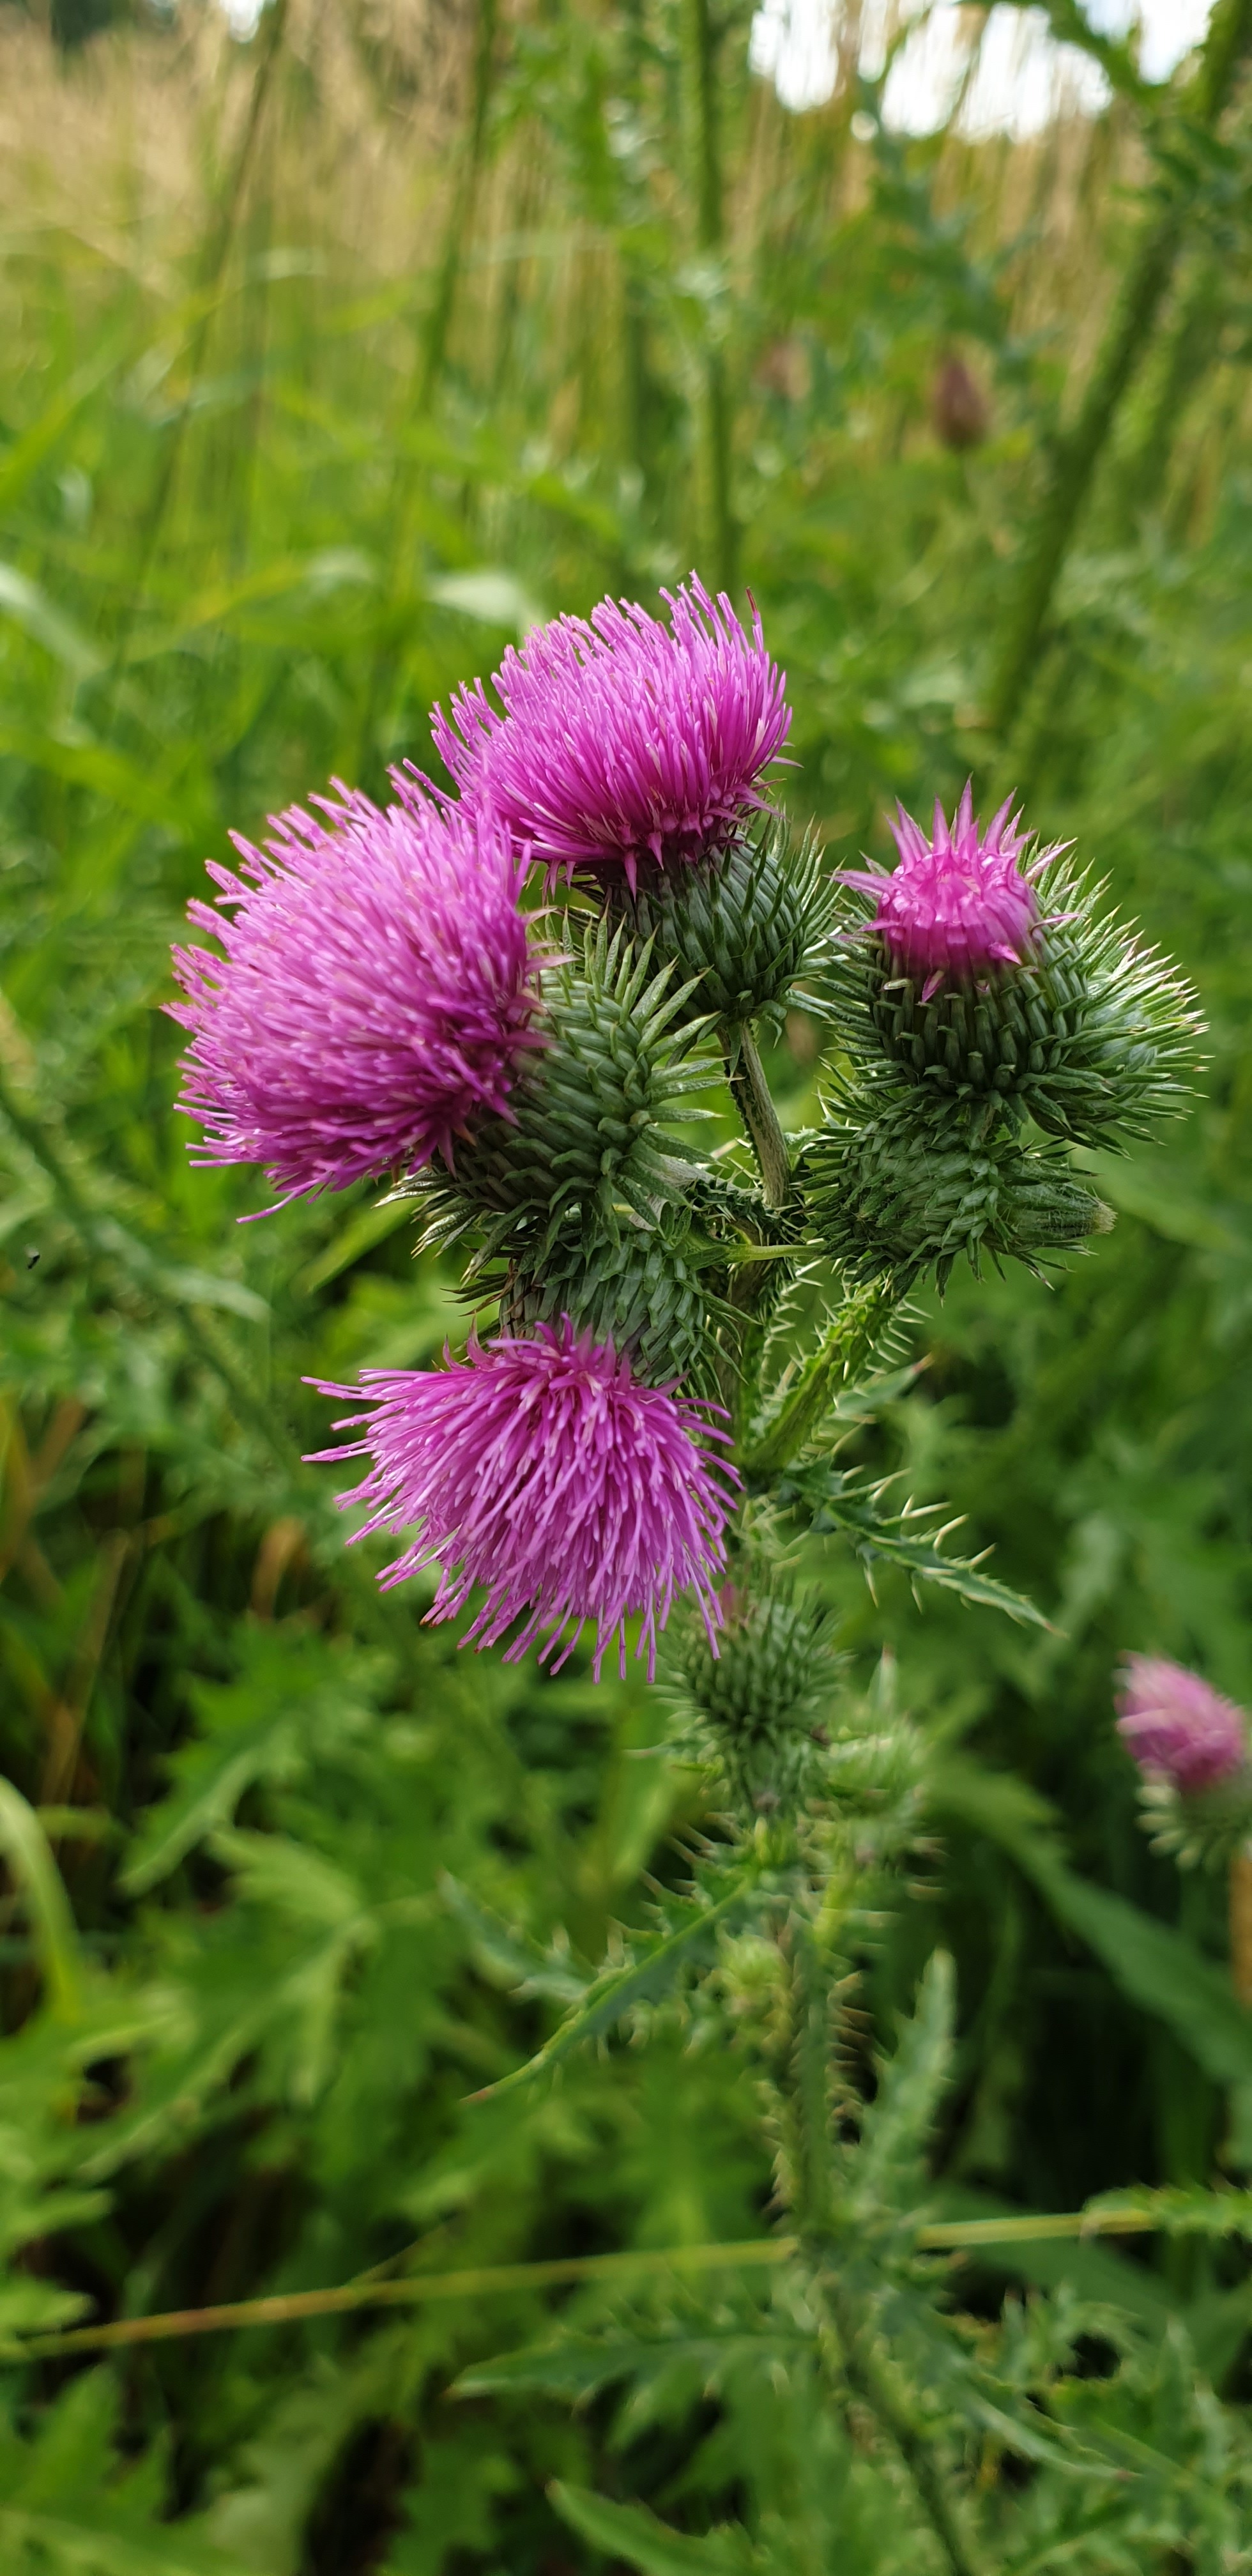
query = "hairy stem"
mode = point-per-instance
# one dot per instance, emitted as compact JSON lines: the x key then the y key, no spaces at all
{"x":1078,"y":453}
{"x":844,"y":1350}
{"x":869,"y":2380}
{"x":751,"y":1095}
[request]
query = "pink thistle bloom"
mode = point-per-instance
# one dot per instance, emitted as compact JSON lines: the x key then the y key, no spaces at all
{"x":1172,"y":1722}
{"x":620,"y":739}
{"x":958,"y":904}
{"x":545,"y":1470}
{"x":376,"y":994}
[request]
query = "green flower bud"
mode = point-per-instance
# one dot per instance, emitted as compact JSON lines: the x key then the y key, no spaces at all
{"x":894,"y":1194}
{"x":750,"y":1709}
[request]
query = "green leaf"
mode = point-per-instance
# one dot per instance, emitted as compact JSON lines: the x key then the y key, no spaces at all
{"x":31,"y":608}
{"x":629,"y":2532}
{"x":25,"y":1847}
{"x":68,"y":2508}
{"x":651,"y":1973}
{"x":295,"y":1693}
{"x":835,"y":1502}
{"x":490,"y":595}
{"x":510,"y":1957}
{"x":1158,"y":1968}
{"x":889,"y":2166}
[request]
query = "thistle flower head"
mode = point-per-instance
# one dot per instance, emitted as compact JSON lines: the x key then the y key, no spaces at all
{"x":1175,"y":1724}
{"x":545,"y":1470}
{"x":958,"y":904}
{"x":375,"y":995}
{"x":621,"y":738}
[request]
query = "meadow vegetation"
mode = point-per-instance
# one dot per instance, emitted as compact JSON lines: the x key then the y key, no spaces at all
{"x":329,"y":361}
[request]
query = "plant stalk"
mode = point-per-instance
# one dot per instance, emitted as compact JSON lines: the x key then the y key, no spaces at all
{"x":844,"y":1350}
{"x":865,"y":2375}
{"x":1241,"y":1923}
{"x":269,"y":40}
{"x":751,"y":1095}
{"x":703,"y":48}
{"x":1079,"y":451}
{"x":432,"y":357}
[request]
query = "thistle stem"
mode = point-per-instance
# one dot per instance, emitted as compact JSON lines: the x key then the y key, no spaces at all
{"x":855,"y":2363}
{"x":845,"y":1348}
{"x":866,"y":2377}
{"x":751,"y":1095}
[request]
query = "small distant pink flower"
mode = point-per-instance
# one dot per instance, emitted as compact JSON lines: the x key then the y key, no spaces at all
{"x":546,"y":1471}
{"x":958,"y":904}
{"x":376,"y":994}
{"x":621,"y":739}
{"x":1173,"y":1722}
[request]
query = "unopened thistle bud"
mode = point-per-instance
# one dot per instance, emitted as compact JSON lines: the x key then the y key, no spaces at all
{"x":986,"y":982}
{"x":893,"y":1195}
{"x":751,"y":1709}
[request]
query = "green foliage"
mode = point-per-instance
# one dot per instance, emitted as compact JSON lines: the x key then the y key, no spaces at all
{"x":328,"y":1955}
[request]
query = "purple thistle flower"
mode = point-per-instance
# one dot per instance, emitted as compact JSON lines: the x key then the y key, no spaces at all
{"x":1173,"y":1722}
{"x":376,"y":994}
{"x":545,"y":1470}
{"x":958,"y":904}
{"x":621,"y":740}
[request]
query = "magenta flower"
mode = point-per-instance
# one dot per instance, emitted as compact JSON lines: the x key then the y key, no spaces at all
{"x":546,"y":1471}
{"x":957,"y":904}
{"x":376,"y":993}
{"x":621,"y":740}
{"x":1172,"y":1722}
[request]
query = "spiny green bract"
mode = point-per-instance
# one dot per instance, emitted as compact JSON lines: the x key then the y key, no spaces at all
{"x":1205,"y":1828}
{"x":889,"y":1195}
{"x":637,"y":1291}
{"x":750,"y":1709}
{"x":747,"y":922}
{"x":1092,"y":1035}
{"x":589,"y":1129}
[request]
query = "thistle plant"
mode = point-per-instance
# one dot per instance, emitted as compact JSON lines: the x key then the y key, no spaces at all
{"x":1191,"y":1749}
{"x":519,"y":1002}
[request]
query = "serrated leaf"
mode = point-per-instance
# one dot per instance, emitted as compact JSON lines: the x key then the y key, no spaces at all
{"x":629,"y":2532}
{"x":889,"y":2167}
{"x":650,"y":1973}
{"x":843,"y":1504}
{"x":293,"y":1692}
{"x":511,"y":1957}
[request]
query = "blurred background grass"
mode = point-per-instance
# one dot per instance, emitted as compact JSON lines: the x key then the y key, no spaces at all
{"x":332,"y":356}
